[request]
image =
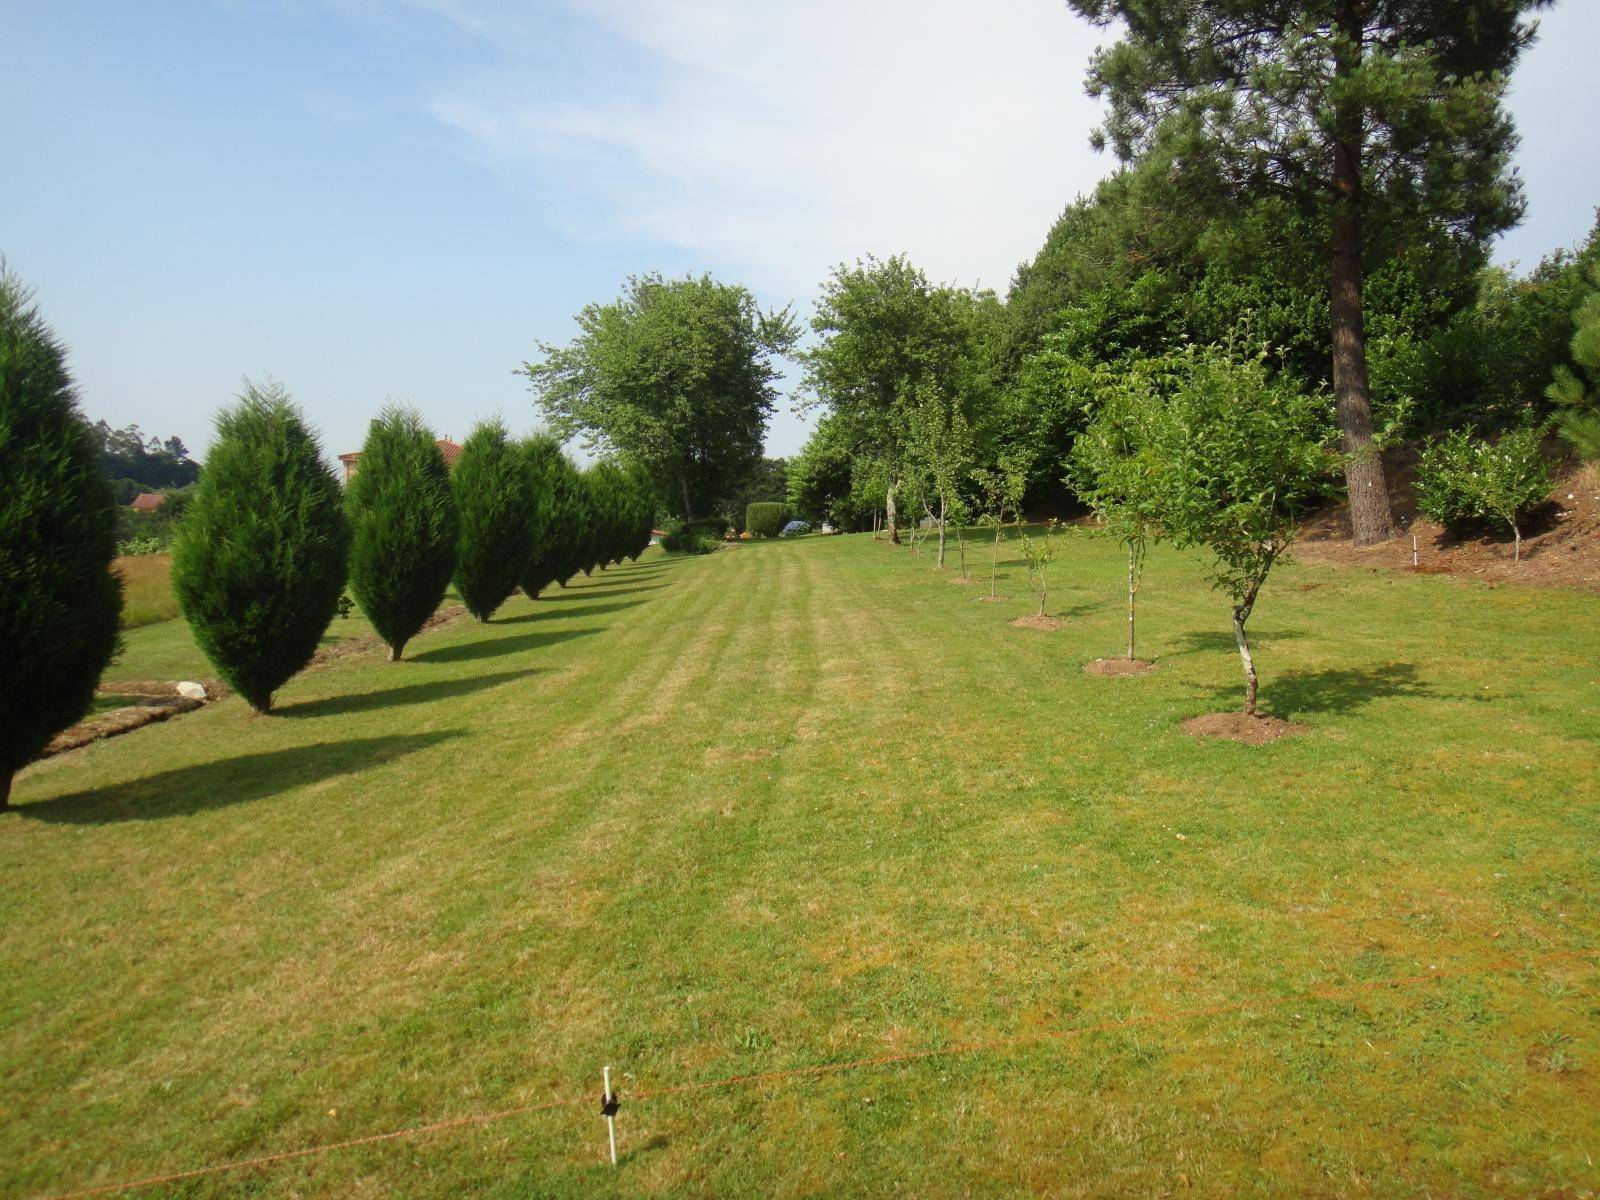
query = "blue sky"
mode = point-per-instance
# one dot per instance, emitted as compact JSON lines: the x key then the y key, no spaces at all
{"x":375,"y":199}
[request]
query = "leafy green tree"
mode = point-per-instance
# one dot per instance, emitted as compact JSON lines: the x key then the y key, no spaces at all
{"x":259,"y":562}
{"x":831,"y":480}
{"x":1239,"y":455}
{"x":940,"y":449}
{"x":494,"y":497}
{"x":1358,"y":112}
{"x":1039,"y":553}
{"x":404,"y":527}
{"x":768,"y":480}
{"x":557,"y":520}
{"x":1463,"y":478}
{"x":59,"y":599}
{"x":767,"y":518}
{"x":884,"y":333}
{"x":1112,"y":470}
{"x":1576,"y":389}
{"x":677,"y":376}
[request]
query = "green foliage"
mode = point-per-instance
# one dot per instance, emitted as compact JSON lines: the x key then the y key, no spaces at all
{"x":494,"y":497}
{"x":675,"y":377}
{"x":768,"y":480}
{"x":1038,"y":553}
{"x":560,"y":531}
{"x":259,"y":562}
{"x":404,"y":527}
{"x":767,"y":519}
{"x":59,"y":599}
{"x":1463,"y":478}
{"x":1575,"y":390}
{"x":689,"y":537}
{"x":150,"y":464}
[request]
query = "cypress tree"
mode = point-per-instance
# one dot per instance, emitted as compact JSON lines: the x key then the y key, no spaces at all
{"x":403,"y":527}
{"x":259,"y":563}
{"x":59,"y":600}
{"x":555,"y":520}
{"x":494,"y":496}
{"x":581,"y":527}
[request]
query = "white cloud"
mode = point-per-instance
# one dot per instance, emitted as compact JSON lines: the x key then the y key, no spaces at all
{"x":771,"y":140}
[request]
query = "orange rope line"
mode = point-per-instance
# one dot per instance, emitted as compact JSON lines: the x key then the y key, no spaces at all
{"x":834,"y":1068}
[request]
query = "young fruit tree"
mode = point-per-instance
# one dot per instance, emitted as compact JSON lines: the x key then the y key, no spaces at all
{"x":59,"y":598}
{"x":494,"y":496}
{"x":259,"y":562}
{"x":1383,"y":122}
{"x":1238,"y":457}
{"x":1111,"y":470}
{"x":403,"y":527}
{"x":940,"y":454}
{"x":1463,"y":478}
{"x":1000,"y":491}
{"x":1039,"y":553}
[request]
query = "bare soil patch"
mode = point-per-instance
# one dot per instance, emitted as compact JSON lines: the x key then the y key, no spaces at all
{"x":1045,"y":624}
{"x":145,"y":711}
{"x":1113,"y":668}
{"x":1560,"y":541}
{"x":371,"y":641}
{"x":1238,"y":727}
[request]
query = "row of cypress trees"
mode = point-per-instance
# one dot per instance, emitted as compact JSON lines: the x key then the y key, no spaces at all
{"x":269,"y":541}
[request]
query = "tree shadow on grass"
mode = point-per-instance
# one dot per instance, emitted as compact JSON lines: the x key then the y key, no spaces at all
{"x":585,"y":611}
{"x":246,"y":777}
{"x":1302,"y":693}
{"x":411,"y":693}
{"x":493,"y":647}
{"x":586,"y":593}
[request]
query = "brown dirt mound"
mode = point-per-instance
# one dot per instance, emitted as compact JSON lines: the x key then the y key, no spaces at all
{"x":1116,"y":667}
{"x":143,"y":712}
{"x":1560,"y":543}
{"x":1237,"y":727}
{"x":1045,"y":624}
{"x":215,"y":688}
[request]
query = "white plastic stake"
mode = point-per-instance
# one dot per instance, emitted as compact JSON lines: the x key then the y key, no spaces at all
{"x":611,"y":1122}
{"x":1413,"y":549}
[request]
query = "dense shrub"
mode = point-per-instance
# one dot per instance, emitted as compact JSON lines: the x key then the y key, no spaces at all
{"x":404,"y":527}
{"x":686,"y":538}
{"x":494,"y":496}
{"x":1462,"y":478}
{"x":259,"y":562}
{"x":1576,"y":388}
{"x":59,"y":600}
{"x":766,"y":518}
{"x":558,"y":522}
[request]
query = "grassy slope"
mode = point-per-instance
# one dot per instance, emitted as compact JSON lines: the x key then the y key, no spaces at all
{"x":146,"y":589}
{"x":803,"y":802}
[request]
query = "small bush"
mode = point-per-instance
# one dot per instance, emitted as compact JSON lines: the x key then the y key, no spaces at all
{"x":259,"y":564}
{"x":1462,"y":479}
{"x":687,"y":539}
{"x":766,"y":518}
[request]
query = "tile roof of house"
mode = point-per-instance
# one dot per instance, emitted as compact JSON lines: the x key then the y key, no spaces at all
{"x":450,"y":450}
{"x":147,"y":502}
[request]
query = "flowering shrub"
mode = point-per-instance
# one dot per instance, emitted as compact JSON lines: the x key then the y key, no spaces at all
{"x":1462,"y":478}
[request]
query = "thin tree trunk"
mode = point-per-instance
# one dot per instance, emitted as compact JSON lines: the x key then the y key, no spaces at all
{"x":1133,"y":589}
{"x":394,"y":651}
{"x":1370,"y":517}
{"x":941,"y":531}
{"x":683,"y":486}
{"x":1241,"y":614}
{"x":5,"y":790}
{"x":1516,"y":532}
{"x":961,"y":548}
{"x":889,"y":514}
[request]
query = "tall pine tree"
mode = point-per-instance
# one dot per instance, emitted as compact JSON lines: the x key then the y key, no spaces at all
{"x":59,"y":600}
{"x":1369,"y":117}
{"x":494,"y":495}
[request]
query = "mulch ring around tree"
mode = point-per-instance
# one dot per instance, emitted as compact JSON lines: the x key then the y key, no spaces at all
{"x":1044,"y":624}
{"x":1241,"y":727}
{"x":1115,"y":668}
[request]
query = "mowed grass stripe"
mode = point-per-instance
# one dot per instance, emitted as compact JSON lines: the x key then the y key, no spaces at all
{"x":857,"y":814}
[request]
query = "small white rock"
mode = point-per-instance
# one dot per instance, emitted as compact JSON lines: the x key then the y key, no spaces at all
{"x":190,"y":690}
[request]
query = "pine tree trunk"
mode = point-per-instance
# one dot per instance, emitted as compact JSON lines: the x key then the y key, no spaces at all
{"x":1370,"y":517}
{"x":394,"y":651}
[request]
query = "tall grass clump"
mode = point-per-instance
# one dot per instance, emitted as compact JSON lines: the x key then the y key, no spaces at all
{"x":259,"y":562}
{"x":404,"y":527}
{"x":59,"y":600}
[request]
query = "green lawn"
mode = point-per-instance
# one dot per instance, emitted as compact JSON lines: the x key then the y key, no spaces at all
{"x":799,"y":804}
